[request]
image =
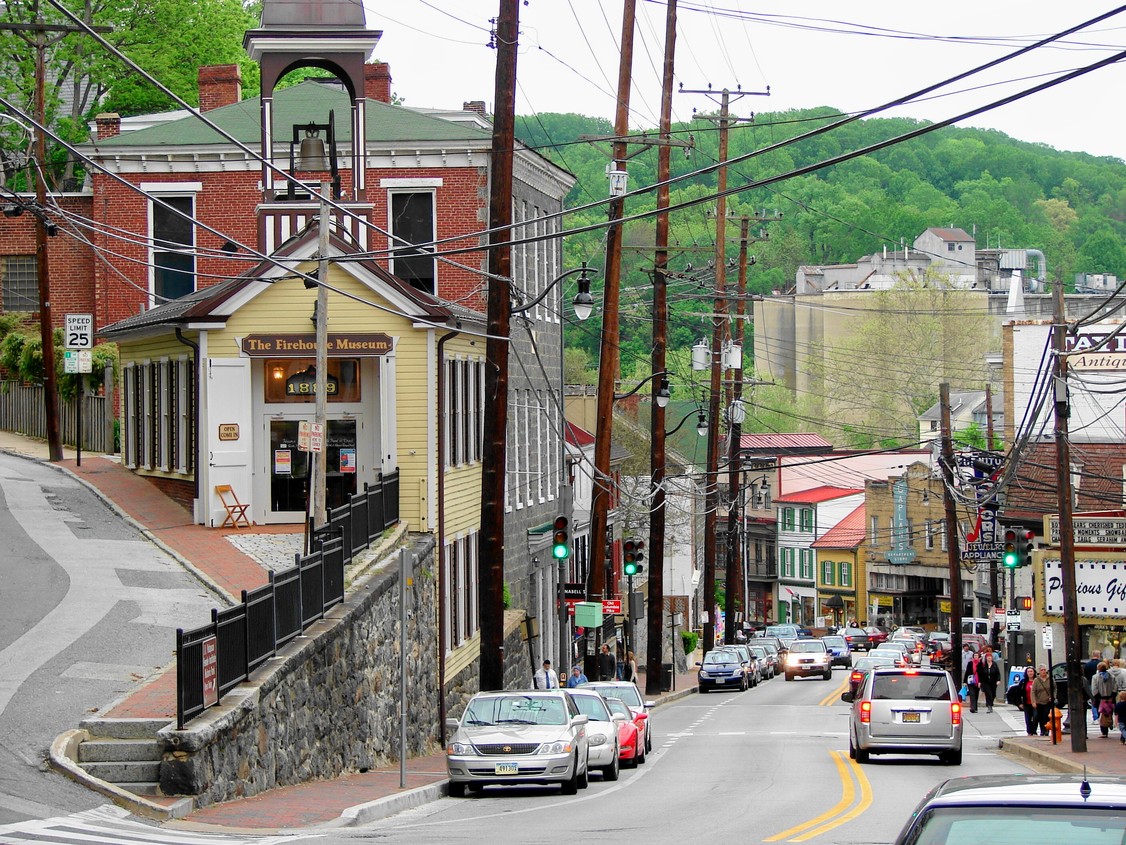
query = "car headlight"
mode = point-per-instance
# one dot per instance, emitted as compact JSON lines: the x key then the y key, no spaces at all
{"x":461,"y":749}
{"x":562,"y":746}
{"x":596,"y":739}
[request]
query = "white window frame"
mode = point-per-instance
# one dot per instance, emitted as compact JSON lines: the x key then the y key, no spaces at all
{"x":162,"y":191}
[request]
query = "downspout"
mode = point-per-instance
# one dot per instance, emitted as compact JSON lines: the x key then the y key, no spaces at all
{"x":195,"y":410}
{"x":441,"y":551}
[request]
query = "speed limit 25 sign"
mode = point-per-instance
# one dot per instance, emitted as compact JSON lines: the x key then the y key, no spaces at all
{"x":79,"y":331}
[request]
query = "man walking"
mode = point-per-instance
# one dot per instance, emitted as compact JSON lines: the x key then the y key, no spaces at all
{"x":545,"y":677}
{"x":607,"y":666}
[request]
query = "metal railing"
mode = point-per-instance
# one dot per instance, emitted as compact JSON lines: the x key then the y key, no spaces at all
{"x":213,"y":659}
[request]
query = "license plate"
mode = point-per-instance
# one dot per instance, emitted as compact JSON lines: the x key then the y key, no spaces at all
{"x":507,"y":769}
{"x":720,"y":680}
{"x":910,"y":717}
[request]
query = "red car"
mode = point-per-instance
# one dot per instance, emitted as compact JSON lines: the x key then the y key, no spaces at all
{"x":628,"y":735}
{"x":877,"y":635}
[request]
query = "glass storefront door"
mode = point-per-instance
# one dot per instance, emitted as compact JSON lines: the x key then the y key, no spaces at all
{"x":290,"y":467}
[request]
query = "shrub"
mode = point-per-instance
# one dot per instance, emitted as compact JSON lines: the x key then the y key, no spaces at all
{"x":689,"y":639}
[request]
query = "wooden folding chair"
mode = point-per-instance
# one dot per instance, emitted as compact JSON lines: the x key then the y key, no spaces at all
{"x":236,"y":510}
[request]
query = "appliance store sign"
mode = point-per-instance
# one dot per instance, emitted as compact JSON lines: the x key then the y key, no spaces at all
{"x":1100,"y":587}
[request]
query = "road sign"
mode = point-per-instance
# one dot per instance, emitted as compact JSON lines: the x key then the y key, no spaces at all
{"x":1046,"y":637}
{"x":574,"y":590}
{"x":1012,"y":620}
{"x":78,"y":361}
{"x":310,"y":436}
{"x":611,"y":606}
{"x":78,"y":331}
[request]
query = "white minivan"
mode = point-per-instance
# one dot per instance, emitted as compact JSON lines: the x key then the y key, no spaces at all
{"x":976,"y":625}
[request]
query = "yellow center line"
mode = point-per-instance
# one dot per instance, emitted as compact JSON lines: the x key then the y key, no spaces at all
{"x":847,"y":797}
{"x":864,"y":803}
{"x":835,"y":695}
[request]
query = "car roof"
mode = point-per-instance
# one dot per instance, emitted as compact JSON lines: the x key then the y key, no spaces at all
{"x":1019,"y":789}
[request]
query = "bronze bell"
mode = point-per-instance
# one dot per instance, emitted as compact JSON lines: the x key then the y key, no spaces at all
{"x":312,"y":154}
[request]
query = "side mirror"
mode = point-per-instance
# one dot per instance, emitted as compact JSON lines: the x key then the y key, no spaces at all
{"x":650,"y":705}
{"x":452,"y":724}
{"x":846,"y":696}
{"x":698,"y":663}
{"x":617,"y":717}
{"x":581,"y":719}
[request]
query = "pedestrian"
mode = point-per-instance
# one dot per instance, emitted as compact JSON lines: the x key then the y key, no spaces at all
{"x":1089,"y":670}
{"x":629,"y":672}
{"x":1103,"y":698}
{"x":967,"y":656}
{"x":606,"y":664}
{"x":1117,"y":671}
{"x":989,"y":675}
{"x":1042,"y":699}
{"x":545,"y":678}
{"x":1120,"y":714}
{"x":577,"y":677}
{"x":972,"y":680}
{"x":1028,"y":701}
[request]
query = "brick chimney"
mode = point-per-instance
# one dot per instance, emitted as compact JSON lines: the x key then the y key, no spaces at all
{"x":219,"y":85}
{"x":109,"y":125}
{"x":377,"y":81}
{"x":477,"y":106}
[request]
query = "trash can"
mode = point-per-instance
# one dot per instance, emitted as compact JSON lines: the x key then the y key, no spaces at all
{"x":666,"y":677}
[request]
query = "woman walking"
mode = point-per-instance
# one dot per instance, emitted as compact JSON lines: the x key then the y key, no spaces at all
{"x":1028,"y":703}
{"x":1103,"y":695}
{"x":989,"y":676}
{"x":972,"y":680}
{"x":1041,"y":699}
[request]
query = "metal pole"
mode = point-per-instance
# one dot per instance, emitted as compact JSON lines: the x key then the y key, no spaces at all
{"x":404,"y":561}
{"x":78,"y":420}
{"x":318,"y":491}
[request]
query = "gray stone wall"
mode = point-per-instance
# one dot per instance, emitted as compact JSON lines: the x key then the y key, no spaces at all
{"x":517,"y":669}
{"x":328,"y":703}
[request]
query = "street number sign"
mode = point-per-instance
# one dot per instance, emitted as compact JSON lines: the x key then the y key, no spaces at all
{"x":79,"y":331}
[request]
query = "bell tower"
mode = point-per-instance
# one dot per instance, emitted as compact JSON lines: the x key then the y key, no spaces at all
{"x":331,"y":35}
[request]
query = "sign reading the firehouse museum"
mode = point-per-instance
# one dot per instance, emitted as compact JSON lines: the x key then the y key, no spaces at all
{"x":305,"y":345}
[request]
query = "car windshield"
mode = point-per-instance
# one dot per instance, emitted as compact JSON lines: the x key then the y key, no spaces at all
{"x":852,"y":632}
{"x":782,"y":631}
{"x":807,"y":645}
{"x":873,"y":662}
{"x":592,"y":706}
{"x":618,"y":708}
{"x":904,"y":687}
{"x":626,"y":692}
{"x":515,"y":710}
{"x":720,"y":657}
{"x":759,"y":652}
{"x":834,"y":641}
{"x":1019,"y":825}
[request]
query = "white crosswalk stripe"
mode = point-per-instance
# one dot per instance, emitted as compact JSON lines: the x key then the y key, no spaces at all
{"x":109,"y":825}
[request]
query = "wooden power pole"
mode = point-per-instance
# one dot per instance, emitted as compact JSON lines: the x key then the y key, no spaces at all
{"x":953,"y":544}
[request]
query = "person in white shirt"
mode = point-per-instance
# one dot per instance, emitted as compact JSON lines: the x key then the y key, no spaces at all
{"x":545,"y":678}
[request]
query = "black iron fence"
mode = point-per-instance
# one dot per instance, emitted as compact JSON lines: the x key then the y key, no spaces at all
{"x":213,"y":659}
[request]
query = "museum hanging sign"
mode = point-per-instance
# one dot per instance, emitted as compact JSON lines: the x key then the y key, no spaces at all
{"x":305,"y":345}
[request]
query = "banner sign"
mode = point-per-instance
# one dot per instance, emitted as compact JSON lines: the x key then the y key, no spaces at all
{"x":1089,"y":530}
{"x":1100,"y":587}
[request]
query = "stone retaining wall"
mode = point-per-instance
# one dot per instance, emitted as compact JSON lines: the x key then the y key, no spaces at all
{"x":328,"y":703}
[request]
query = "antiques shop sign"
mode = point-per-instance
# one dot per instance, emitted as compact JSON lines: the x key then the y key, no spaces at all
{"x":305,"y":345}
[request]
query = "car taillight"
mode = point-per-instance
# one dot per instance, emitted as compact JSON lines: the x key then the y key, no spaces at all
{"x":911,"y":672}
{"x":866,"y":711}
{"x":855,"y":677}
{"x":955,"y":713}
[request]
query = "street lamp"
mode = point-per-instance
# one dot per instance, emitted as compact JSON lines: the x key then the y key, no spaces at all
{"x":701,"y":423}
{"x":662,"y":396}
{"x":583,"y":302}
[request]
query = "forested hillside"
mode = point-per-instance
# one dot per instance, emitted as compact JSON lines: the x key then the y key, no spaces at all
{"x":1009,"y":193}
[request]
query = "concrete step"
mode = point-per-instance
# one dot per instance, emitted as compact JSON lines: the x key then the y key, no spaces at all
{"x":124,"y":773}
{"x":105,"y":750}
{"x":124,"y":728}
{"x":145,"y":789}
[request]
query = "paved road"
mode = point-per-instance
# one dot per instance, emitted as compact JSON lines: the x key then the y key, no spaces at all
{"x":88,"y":609}
{"x":767,"y":765}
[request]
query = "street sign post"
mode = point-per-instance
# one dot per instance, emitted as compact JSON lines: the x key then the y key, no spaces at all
{"x":78,"y":331}
{"x":1012,"y":620}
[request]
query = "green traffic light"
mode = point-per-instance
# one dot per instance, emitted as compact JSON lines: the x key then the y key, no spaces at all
{"x":560,"y":551}
{"x":631,"y":569}
{"x":1011,"y":560}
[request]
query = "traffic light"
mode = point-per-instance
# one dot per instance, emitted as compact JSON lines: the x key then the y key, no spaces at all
{"x":560,"y":539}
{"x":1010,"y":557}
{"x":633,"y":556}
{"x":1026,"y":547}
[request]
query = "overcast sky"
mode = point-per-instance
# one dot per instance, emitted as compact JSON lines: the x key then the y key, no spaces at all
{"x":851,"y":56}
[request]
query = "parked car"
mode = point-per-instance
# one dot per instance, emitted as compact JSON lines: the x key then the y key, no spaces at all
{"x":876,"y":634}
{"x":601,"y":732}
{"x":529,"y":737}
{"x":782,"y":631}
{"x":839,"y":651}
{"x":721,"y":669}
{"x":768,"y":665}
{"x":808,"y":657}
{"x":862,"y":665}
{"x":770,"y":642}
{"x":905,"y":711}
{"x":749,"y":662}
{"x":804,"y":633}
{"x":628,"y":693}
{"x":858,"y":639}
{"x":1019,"y":808}
{"x":631,"y":747}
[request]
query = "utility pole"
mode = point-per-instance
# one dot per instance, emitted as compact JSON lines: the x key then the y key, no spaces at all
{"x":608,"y":355}
{"x":953,"y":547}
{"x":656,"y":609}
{"x":490,"y":544}
{"x":711,"y":478}
{"x":1075,"y":703}
{"x":38,"y":39}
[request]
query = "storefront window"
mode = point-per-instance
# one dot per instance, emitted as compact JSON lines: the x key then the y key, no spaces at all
{"x":294,"y":380}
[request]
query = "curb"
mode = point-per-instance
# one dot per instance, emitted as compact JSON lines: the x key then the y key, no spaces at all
{"x":389,"y":805}
{"x":1047,"y":759}
{"x":61,"y":758}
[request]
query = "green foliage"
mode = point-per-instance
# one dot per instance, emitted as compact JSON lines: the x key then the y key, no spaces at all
{"x":21,"y":357}
{"x":970,"y":436}
{"x":507,"y":596}
{"x":577,"y":367}
{"x":689,"y":639}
